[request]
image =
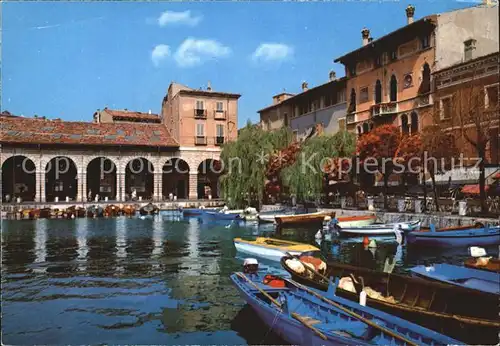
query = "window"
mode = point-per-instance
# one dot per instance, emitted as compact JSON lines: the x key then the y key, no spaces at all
{"x":377,"y":62}
{"x":378,"y":92}
{"x":469,"y":46}
{"x":446,"y":107}
{"x":425,"y":41}
{"x":404,"y":124}
{"x":360,"y":130}
{"x":199,"y":105}
{"x":414,"y":122}
{"x":328,"y":101}
{"x":220,"y":130}
{"x":200,"y":130}
{"x":491,"y":96}
{"x":425,"y":86}
{"x":285,"y":117}
{"x":341,"y":96}
{"x":393,"y":55}
{"x":394,"y":89}
{"x":219,"y":107}
{"x":363,"y":94}
{"x":352,"y":103}
{"x":366,"y":128}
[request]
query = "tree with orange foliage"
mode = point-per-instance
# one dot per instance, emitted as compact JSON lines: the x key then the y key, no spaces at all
{"x":378,"y":149}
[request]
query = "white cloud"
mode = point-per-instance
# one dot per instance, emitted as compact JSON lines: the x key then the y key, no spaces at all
{"x":159,"y":53}
{"x":194,"y":52}
{"x":272,"y":52}
{"x":172,"y":17}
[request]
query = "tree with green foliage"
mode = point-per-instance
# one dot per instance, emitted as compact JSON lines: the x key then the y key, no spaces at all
{"x":245,"y":160}
{"x":305,"y":177}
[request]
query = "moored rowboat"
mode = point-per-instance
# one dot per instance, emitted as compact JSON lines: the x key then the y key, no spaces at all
{"x":380,"y":229}
{"x":480,"y":280}
{"x":273,"y":249}
{"x":297,"y":219}
{"x":356,"y":221}
{"x":301,"y":316}
{"x":431,"y":304}
{"x":457,"y":236}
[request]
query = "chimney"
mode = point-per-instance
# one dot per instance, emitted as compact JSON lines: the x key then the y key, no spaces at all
{"x":332,"y":76}
{"x":365,"y":34}
{"x":209,"y":86}
{"x":410,"y":12}
{"x":149,"y":112}
{"x":304,"y":86}
{"x":370,"y":39}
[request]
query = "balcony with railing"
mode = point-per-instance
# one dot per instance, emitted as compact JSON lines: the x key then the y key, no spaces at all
{"x":200,"y":140}
{"x":384,"y":108}
{"x":200,"y":113}
{"x":220,"y":115}
{"x":219,"y":140}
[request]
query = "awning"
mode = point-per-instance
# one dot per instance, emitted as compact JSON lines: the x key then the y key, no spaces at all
{"x":474,"y":189}
{"x":463,"y":176}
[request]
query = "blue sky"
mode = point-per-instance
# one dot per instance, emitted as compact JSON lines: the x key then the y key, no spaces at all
{"x":68,"y":59}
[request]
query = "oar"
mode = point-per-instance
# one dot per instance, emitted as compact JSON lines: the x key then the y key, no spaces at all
{"x":275,"y":302}
{"x":355,"y":315}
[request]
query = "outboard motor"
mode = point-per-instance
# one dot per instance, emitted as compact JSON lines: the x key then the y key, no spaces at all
{"x":250,"y":266}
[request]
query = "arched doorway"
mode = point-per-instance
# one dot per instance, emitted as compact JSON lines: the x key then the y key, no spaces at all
{"x":414,"y":122}
{"x":404,"y":124}
{"x":394,"y":89}
{"x":139,"y":179}
{"x":378,"y":92}
{"x":61,"y":179}
{"x":18,"y":179}
{"x":208,"y":178}
{"x":101,"y":179}
{"x":176,"y":178}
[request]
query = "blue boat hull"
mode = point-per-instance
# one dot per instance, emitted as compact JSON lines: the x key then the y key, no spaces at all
{"x":488,"y":282}
{"x":464,"y":238}
{"x":193,"y":211}
{"x":222,"y":216}
{"x":340,"y":328}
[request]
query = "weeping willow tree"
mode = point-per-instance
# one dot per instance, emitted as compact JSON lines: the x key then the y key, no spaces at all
{"x":305,"y":178}
{"x":245,"y":160}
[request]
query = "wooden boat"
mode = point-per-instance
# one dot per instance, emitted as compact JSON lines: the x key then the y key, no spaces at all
{"x":303,"y":317}
{"x":379,"y":229}
{"x":34,"y":214}
{"x":356,"y":221}
{"x":70,"y":212}
{"x":270,"y":216}
{"x":45,"y":213}
{"x":25,"y":213}
{"x":484,"y":263}
{"x":431,"y":304}
{"x":273,"y":249}
{"x":461,"y":276}
{"x":219,"y":215}
{"x":80,"y":212}
{"x":95,"y":211}
{"x":300,"y":219}
{"x":476,"y":235}
{"x":149,"y":209}
{"x":112,"y":210}
{"x":128,"y":210}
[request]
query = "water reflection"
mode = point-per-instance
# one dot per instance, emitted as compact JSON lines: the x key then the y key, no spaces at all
{"x":40,"y":241}
{"x":81,"y":238}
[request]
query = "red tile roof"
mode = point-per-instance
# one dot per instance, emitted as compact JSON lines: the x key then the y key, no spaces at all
{"x":131,"y":115}
{"x":41,"y":131}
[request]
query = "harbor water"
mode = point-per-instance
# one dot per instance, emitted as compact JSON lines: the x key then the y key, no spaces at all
{"x":153,"y":280}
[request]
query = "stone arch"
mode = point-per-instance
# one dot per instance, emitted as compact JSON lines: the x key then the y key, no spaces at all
{"x":414,"y":122}
{"x":175,"y":178}
{"x":61,"y":179}
{"x":139,"y":179}
{"x":101,"y":178}
{"x":393,"y":89}
{"x":18,"y":178}
{"x":209,"y":171}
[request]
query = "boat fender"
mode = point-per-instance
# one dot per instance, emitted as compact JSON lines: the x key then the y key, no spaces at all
{"x":362,"y":298}
{"x":346,"y":284}
{"x":296,"y":266}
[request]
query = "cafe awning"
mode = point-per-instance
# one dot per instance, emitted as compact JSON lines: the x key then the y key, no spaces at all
{"x":462,"y":176}
{"x":473,"y":189}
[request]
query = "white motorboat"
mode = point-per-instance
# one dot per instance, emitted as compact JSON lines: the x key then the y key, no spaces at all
{"x":380,"y":229}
